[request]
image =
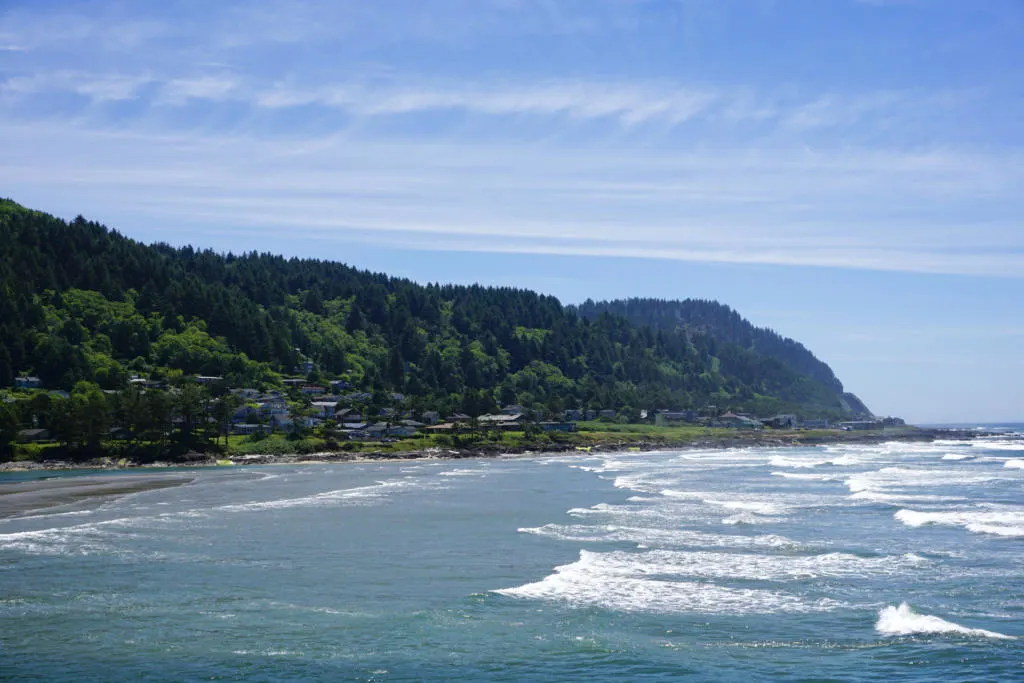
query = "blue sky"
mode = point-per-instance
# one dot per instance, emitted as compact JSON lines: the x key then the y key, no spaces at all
{"x":847,"y":172}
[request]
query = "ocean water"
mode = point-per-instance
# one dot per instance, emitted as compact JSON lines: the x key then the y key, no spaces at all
{"x":870,"y":563}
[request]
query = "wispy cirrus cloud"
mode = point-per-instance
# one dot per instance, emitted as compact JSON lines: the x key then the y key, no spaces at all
{"x":95,"y":88}
{"x":626,"y":103}
{"x":847,"y":208}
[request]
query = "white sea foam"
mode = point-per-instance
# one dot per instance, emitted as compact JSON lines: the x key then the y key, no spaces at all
{"x":748,"y":518}
{"x":352,"y":496}
{"x":78,"y":539}
{"x":754,"y":506}
{"x":645,"y":536}
{"x":760,"y":507}
{"x":958,"y":456}
{"x":808,"y":476}
{"x":904,"y":477}
{"x":902,"y":498}
{"x":617,"y":581}
{"x":644,"y":483}
{"x":1015,"y":463}
{"x":789,"y":461}
{"x":463,"y":473}
{"x":998,"y":522}
{"x":1014,"y":445}
{"x":904,"y":621}
{"x":732,"y":565}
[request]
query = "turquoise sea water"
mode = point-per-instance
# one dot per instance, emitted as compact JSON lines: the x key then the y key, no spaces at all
{"x":872,"y":563}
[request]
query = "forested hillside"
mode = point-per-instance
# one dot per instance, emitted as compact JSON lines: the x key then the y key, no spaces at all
{"x":81,"y":302}
{"x":702,"y":317}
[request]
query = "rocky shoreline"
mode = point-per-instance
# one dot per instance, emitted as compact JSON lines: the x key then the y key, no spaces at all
{"x":739,"y":440}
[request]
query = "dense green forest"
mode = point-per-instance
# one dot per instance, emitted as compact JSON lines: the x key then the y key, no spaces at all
{"x":698,"y":316}
{"x":82,"y":303}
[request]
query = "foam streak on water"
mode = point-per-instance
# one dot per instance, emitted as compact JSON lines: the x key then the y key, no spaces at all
{"x":740,"y":564}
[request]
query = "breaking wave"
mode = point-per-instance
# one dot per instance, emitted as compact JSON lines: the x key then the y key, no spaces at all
{"x":994,"y":522}
{"x":618,"y":581}
{"x":904,"y":621}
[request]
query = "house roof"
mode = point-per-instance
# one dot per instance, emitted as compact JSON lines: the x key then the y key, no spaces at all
{"x":501,"y":418}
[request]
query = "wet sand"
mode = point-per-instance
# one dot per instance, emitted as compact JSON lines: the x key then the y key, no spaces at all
{"x":25,"y":496}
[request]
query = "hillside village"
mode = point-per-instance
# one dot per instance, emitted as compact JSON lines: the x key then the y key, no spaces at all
{"x":198,"y":408}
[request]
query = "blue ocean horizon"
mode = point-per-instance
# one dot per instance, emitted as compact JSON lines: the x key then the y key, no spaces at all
{"x":857,"y":562}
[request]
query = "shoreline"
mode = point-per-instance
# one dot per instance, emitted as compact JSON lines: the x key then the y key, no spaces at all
{"x":738,"y":440}
{"x":20,"y":498}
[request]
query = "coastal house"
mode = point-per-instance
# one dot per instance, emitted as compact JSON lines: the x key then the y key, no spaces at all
{"x":431,"y":417}
{"x":814,"y":424}
{"x":861,"y":425}
{"x":348,"y":415}
{"x":780,"y":422}
{"x":33,"y":435}
{"x":458,"y":417}
{"x":274,"y":408}
{"x":377,"y":431}
{"x":324,"y":409}
{"x":208,"y":379}
{"x":512,"y":410}
{"x":28,"y":382}
{"x":313,"y":389}
{"x":340,"y":385}
{"x":607,"y":414}
{"x":734,"y":421}
{"x":573,"y":414}
{"x":502,"y":421}
{"x":245,"y":414}
{"x":247,"y":428}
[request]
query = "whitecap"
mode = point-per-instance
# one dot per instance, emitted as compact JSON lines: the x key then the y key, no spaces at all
{"x":804,"y":476}
{"x":357,"y":495}
{"x":647,"y":536}
{"x":1000,"y":445}
{"x":904,"y":621}
{"x":747,"y":518}
{"x":1015,"y":463}
{"x":789,"y":461}
{"x":463,"y":473}
{"x":999,"y":522}
{"x":615,"y":581}
{"x":756,"y":507}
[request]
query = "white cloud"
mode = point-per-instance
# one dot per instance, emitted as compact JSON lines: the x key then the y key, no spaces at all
{"x":849,"y":208}
{"x":97,"y":88}
{"x":209,"y":88}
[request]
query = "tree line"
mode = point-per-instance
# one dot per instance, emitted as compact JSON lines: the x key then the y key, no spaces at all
{"x":83,"y":303}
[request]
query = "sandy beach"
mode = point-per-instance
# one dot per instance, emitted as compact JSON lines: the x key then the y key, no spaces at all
{"x":20,"y":497}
